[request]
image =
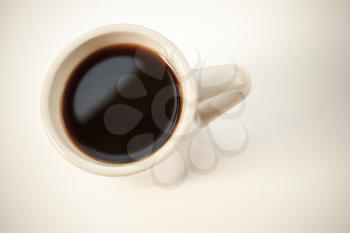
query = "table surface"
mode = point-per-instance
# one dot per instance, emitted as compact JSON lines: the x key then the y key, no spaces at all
{"x":291,"y":177}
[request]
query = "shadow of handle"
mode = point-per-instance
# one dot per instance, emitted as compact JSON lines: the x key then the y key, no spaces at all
{"x":219,"y":89}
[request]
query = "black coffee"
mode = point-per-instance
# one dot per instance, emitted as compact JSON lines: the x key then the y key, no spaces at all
{"x":121,"y":103}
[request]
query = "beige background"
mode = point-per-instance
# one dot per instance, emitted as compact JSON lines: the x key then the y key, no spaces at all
{"x":294,"y":174}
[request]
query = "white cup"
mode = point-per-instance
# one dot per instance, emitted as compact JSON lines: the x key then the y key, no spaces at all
{"x":200,"y":104}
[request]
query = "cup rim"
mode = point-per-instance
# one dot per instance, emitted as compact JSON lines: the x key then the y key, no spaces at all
{"x":104,"y":168}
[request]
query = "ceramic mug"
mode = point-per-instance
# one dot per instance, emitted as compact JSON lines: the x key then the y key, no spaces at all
{"x":204,"y":99}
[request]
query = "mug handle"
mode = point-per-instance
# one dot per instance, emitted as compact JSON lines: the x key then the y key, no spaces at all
{"x":219,"y":89}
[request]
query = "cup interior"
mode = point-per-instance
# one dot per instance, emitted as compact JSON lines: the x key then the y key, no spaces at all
{"x":76,"y":53}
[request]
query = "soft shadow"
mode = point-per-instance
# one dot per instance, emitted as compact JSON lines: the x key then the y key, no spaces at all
{"x":196,"y":157}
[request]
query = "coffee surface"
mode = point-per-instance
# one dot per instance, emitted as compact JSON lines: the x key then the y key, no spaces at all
{"x":121,"y":103}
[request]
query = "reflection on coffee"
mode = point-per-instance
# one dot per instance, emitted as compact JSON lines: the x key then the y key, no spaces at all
{"x":121,"y":103}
